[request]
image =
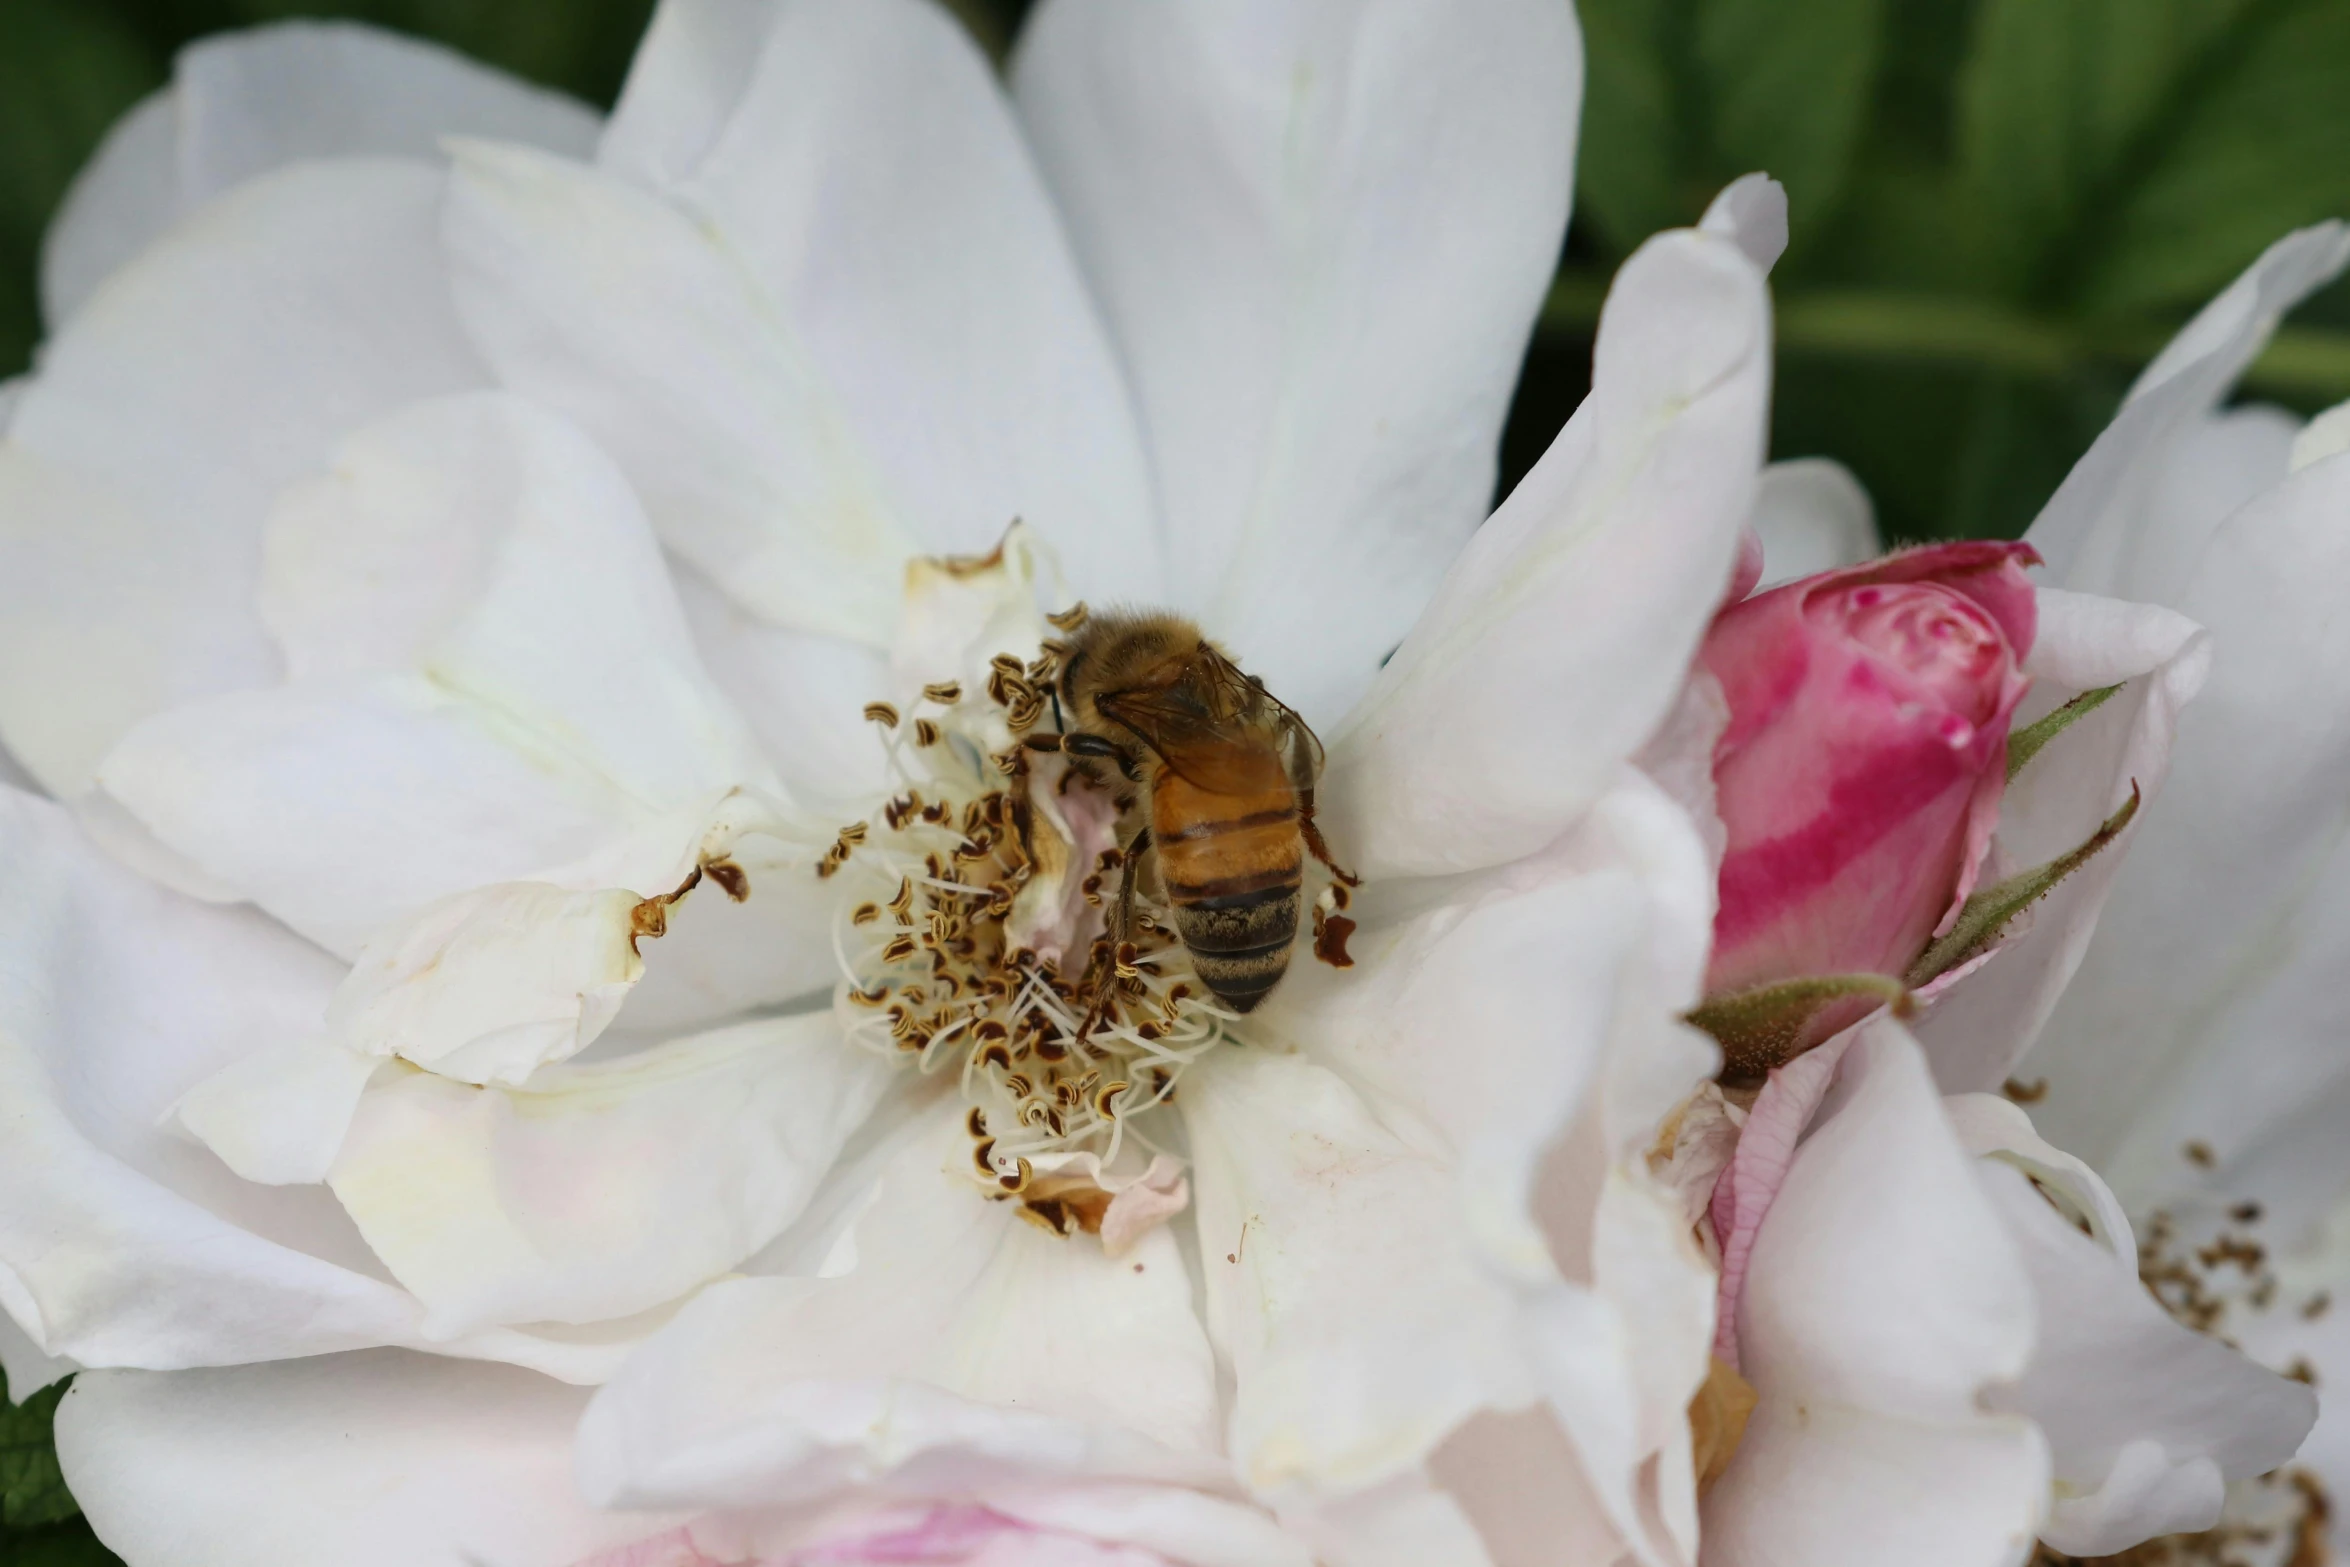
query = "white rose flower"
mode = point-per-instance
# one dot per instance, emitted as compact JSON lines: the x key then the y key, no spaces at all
{"x":519,"y":635}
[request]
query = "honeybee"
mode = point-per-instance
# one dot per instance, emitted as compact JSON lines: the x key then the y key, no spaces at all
{"x":1227,"y":773}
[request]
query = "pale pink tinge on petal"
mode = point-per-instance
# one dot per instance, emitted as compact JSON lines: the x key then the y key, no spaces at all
{"x":1070,"y":829}
{"x":1159,"y":1195}
{"x":670,"y":1548}
{"x":1749,"y":569}
{"x":1766,"y":1150}
{"x":952,"y":1535}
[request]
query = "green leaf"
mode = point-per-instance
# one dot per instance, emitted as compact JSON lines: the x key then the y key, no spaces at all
{"x":1765,"y":1027}
{"x":1986,"y":915}
{"x":1627,"y":167}
{"x":1791,"y":84}
{"x":1961,"y":456}
{"x":60,"y":1545}
{"x":40,"y":1523}
{"x":1682,"y":96}
{"x":2025,"y":743}
{"x":2126,"y":154}
{"x":2263,"y":148}
{"x":32,"y":1488}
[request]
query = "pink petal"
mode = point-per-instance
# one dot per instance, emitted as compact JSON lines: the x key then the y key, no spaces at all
{"x":1141,"y":1208}
{"x":1765,"y":1151}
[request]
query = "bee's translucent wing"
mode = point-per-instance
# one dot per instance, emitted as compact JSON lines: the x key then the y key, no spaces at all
{"x":1300,"y":746}
{"x":1221,"y":753}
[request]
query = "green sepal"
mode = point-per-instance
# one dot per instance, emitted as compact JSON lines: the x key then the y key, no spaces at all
{"x":2025,"y":743}
{"x":1989,"y":912}
{"x":1763,"y":1028}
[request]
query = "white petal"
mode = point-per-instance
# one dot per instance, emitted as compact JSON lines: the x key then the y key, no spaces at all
{"x":1759,"y":1164}
{"x":890,"y":347}
{"x":2163,"y":1037}
{"x":873,"y":181}
{"x":1622,"y":1342}
{"x":720,"y":957}
{"x":1839,"y":1487}
{"x":1994,"y":1126}
{"x":1812,"y":515}
{"x":492,"y":683}
{"x":1320,"y":235}
{"x":2145,"y":1494}
{"x":120,"y":1242}
{"x":1403,"y":1523}
{"x":1522,"y":1487}
{"x":493,"y":546}
{"x":1827,"y":1319}
{"x":490,"y":985}
{"x":1884,"y":1297}
{"x":22,"y":1362}
{"x":1184,"y":1525}
{"x":2112,"y":1374}
{"x":597,"y":1191}
{"x":957,"y":615}
{"x":141,"y":462}
{"x":278,"y":1115}
{"x":2209,"y":467}
{"x":1584,"y":598}
{"x":1616,"y":916}
{"x":691,"y":70}
{"x":1751,"y":210}
{"x":1348,"y":1370}
{"x":400,"y":786}
{"x":2309,"y":1254}
{"x":245,"y":104}
{"x":2147,"y":1420}
{"x":1604,"y":1276}
{"x":1679,"y":759}
{"x":1039,"y":1522}
{"x":2327,"y":435}
{"x":803,"y":694}
{"x":622,"y":311}
{"x":123,"y":198}
{"x":365,"y":1460}
{"x":252,"y":102}
{"x":1985,"y":1023}
{"x":962,"y":1342}
{"x":2094,"y":531}
{"x":1430,"y":1027}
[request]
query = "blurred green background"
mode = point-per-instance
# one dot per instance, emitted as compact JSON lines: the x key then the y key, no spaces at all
{"x":2001,"y":209}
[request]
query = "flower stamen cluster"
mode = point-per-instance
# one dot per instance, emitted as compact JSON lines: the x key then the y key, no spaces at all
{"x":986,"y":949}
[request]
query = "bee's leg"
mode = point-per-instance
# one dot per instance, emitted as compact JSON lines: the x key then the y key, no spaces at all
{"x":1118,"y":936}
{"x":1122,"y":921}
{"x":1041,"y":742}
{"x":1317,"y":846}
{"x":1083,"y":744}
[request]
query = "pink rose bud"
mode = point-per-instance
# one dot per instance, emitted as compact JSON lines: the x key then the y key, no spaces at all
{"x":1860,"y":775}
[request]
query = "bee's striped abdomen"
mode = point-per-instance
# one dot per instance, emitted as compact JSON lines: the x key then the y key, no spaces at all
{"x":1231,"y":865}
